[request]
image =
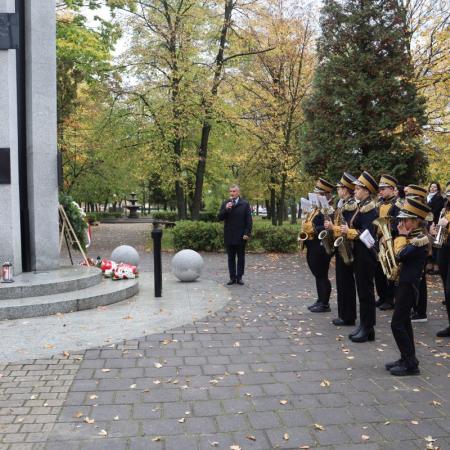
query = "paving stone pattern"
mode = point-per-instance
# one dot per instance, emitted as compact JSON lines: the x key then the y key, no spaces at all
{"x":262,"y":373}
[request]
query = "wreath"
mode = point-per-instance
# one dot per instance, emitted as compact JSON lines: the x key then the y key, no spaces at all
{"x":76,"y":217}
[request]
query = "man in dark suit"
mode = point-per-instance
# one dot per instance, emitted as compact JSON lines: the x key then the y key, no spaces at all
{"x":237,"y":217}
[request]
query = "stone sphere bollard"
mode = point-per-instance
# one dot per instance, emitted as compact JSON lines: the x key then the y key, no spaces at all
{"x":187,"y":265}
{"x":125,"y":254}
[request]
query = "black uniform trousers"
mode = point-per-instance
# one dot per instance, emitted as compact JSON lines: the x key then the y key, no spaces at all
{"x":405,"y":297}
{"x":420,"y":307}
{"x":444,"y":270}
{"x":319,"y":263}
{"x":346,"y":290}
{"x":385,"y":288}
{"x":236,"y":252}
{"x":365,"y":263}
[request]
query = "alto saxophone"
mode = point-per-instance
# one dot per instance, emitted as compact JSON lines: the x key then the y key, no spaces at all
{"x":442,"y":234}
{"x":343,"y":245}
{"x":386,"y":254}
{"x":326,"y":236}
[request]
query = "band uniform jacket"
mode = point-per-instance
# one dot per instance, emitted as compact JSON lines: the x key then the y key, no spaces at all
{"x":363,"y":220}
{"x":348,"y":210}
{"x":411,"y":251}
{"x":237,"y":221}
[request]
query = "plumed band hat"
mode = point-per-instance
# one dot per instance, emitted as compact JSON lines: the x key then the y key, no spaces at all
{"x":387,"y":181}
{"x":367,"y":181}
{"x":414,"y":209}
{"x":323,"y":185}
{"x":347,"y":181}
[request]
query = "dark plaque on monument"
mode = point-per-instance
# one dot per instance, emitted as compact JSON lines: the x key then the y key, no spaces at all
{"x":5,"y":166}
{"x":9,"y":31}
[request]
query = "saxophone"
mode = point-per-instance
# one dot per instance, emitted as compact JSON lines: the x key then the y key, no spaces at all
{"x":442,"y":233}
{"x":386,"y":254}
{"x":326,"y":236}
{"x":343,"y":245}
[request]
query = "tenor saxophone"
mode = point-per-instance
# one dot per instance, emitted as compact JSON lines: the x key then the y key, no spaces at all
{"x":326,"y":237}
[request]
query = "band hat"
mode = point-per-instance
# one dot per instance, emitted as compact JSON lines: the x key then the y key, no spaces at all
{"x":388,"y":181}
{"x":414,"y":209}
{"x":415,"y":190}
{"x":347,"y":181}
{"x":323,"y":185}
{"x":367,"y":181}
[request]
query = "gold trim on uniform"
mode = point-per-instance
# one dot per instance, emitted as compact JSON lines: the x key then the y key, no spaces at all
{"x":368,"y":207}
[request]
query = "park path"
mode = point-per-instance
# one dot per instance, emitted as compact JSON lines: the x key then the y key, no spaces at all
{"x":261,"y":373}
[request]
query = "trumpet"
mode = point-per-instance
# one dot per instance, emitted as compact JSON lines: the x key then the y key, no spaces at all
{"x":386,"y":254}
{"x":442,"y":233}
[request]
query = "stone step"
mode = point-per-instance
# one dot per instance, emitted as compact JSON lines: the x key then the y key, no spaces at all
{"x":65,"y":279}
{"x":104,"y":293}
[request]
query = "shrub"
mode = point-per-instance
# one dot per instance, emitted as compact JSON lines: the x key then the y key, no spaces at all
{"x":207,"y":236}
{"x":170,"y":216}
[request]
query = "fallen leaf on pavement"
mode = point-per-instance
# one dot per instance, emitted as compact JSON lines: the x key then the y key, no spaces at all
{"x":319,"y":427}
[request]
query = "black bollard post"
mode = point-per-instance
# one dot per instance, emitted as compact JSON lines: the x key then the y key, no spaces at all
{"x":157,"y":269}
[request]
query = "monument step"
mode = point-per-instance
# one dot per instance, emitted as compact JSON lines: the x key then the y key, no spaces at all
{"x":104,"y":293}
{"x":35,"y":284}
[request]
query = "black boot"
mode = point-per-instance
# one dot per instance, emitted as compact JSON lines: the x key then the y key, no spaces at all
{"x":364,"y":335}
{"x":320,"y":308}
{"x":409,"y":366}
{"x":314,"y":304}
{"x":392,"y":364}
{"x":444,"y":333}
{"x":355,"y":332}
{"x":342,"y":323}
{"x":386,"y":306}
{"x":379,"y":302}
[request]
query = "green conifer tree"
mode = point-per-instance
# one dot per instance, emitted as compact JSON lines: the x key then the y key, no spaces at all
{"x":364,"y":112}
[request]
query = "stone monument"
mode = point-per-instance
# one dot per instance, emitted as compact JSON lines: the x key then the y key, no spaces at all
{"x":29,"y":231}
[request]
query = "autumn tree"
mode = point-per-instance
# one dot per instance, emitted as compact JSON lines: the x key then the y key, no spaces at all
{"x":270,"y":91}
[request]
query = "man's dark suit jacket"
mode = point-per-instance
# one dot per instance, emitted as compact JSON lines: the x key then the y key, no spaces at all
{"x":237,"y":222}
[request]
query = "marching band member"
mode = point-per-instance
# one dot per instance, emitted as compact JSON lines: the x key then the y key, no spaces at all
{"x":317,"y":258}
{"x":420,"y":307}
{"x":345,"y":280}
{"x":387,"y":208}
{"x":443,"y":226}
{"x":365,"y":259}
{"x":411,"y":249}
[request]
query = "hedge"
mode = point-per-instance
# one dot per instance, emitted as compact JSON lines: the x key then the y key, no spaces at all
{"x":172,"y":216}
{"x":98,"y":216}
{"x":207,"y":236}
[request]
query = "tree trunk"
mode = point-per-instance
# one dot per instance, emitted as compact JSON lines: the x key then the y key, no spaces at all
{"x":293,"y":212}
{"x":268,"y":209}
{"x":281,"y":201}
{"x":273,"y":200}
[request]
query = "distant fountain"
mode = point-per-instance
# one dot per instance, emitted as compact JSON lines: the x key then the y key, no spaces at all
{"x":133,"y":207}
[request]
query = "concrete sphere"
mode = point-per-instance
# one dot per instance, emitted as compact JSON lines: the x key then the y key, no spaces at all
{"x":125,"y":254}
{"x":187,"y":265}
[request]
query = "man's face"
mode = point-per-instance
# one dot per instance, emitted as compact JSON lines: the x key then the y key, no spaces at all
{"x":361,"y":193}
{"x":234,"y":192}
{"x":386,"y":192}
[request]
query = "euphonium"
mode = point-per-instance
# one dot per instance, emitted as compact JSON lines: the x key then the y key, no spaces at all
{"x":442,"y":234}
{"x":386,"y":253}
{"x":342,"y":244}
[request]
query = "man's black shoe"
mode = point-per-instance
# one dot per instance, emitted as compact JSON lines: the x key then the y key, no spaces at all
{"x":444,"y":333}
{"x":386,"y":306}
{"x":355,"y":332}
{"x":415,"y":317}
{"x":343,"y":323}
{"x":313,"y":305}
{"x":392,"y":364}
{"x":403,"y":371}
{"x":364,"y":335}
{"x":379,"y":302}
{"x":232,"y":281}
{"x":320,"y":308}
{"x":240,"y":282}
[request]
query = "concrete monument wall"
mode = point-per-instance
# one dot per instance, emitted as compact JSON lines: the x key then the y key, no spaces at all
{"x":40,"y":57}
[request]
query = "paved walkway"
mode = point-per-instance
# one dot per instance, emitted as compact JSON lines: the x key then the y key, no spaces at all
{"x":261,"y":373}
